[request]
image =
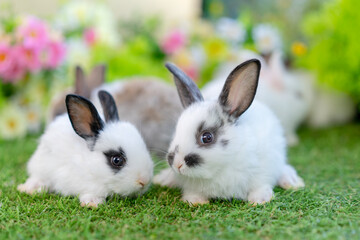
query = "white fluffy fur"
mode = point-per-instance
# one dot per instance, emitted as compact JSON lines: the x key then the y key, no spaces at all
{"x":246,"y":159}
{"x":64,"y":164}
{"x":248,"y":167}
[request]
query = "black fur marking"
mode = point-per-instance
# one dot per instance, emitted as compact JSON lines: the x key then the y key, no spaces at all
{"x":187,"y":89}
{"x":119,"y":153}
{"x":200,"y":129}
{"x":109,"y":106}
{"x":96,"y":124}
{"x":216,"y":130}
{"x":170,"y":158}
{"x":193,"y":160}
{"x":224,"y":142}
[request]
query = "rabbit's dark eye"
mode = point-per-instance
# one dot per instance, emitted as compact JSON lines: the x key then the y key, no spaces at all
{"x":206,"y":138}
{"x":117,"y":160}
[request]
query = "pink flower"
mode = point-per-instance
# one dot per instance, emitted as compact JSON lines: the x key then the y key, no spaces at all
{"x":29,"y":58}
{"x":33,"y":33}
{"x":15,"y":71}
{"x":90,"y":36}
{"x":173,"y":42}
{"x":53,"y":54}
{"x":5,"y":58}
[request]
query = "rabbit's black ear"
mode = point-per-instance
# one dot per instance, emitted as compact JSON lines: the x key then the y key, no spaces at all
{"x":109,"y":106}
{"x":84,"y":118}
{"x":187,"y":89}
{"x":81,"y":86}
{"x":240,"y":88}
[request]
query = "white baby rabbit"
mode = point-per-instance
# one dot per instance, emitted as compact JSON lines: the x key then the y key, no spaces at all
{"x":146,"y":102}
{"x":287,"y":94}
{"x":226,"y":148}
{"x":80,"y":155}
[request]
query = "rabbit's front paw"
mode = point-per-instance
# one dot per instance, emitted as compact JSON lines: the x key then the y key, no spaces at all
{"x":261,"y":195}
{"x":165,"y":178}
{"x":195,"y":199}
{"x":91,"y":201}
{"x":289,"y":179}
{"x":31,"y":186}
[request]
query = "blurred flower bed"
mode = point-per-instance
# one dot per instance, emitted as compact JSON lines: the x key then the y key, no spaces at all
{"x":38,"y":56}
{"x":30,"y":51}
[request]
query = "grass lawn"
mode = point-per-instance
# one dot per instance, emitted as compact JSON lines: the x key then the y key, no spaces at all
{"x":328,"y":208}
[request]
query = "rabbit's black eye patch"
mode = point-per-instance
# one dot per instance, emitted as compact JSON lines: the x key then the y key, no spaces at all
{"x":116,"y":159}
{"x":207,"y":136}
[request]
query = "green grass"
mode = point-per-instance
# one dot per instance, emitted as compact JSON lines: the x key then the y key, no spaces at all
{"x":328,"y":208}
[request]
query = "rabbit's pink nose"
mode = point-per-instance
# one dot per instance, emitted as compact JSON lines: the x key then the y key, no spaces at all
{"x":179,"y":166}
{"x":141,"y":183}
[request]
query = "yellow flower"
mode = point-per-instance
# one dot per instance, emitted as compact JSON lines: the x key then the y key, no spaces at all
{"x":12,"y":123}
{"x":216,"y":48}
{"x":298,"y":48}
{"x":182,"y":58}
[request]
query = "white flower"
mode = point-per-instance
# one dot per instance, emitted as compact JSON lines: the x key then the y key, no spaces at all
{"x":107,"y":35}
{"x":33,"y":118}
{"x":74,"y":15}
{"x":78,"y":53}
{"x":12,"y":122}
{"x":231,"y":30}
{"x":80,"y":15}
{"x":266,"y":38}
{"x":198,"y":55}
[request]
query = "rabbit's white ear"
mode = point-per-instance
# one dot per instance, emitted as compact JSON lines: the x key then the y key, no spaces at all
{"x":96,"y":77}
{"x":109,"y":106}
{"x":81,"y":87}
{"x":276,"y":71}
{"x":240,"y":88}
{"x":187,"y":89}
{"x":276,"y":63}
{"x":84,"y":118}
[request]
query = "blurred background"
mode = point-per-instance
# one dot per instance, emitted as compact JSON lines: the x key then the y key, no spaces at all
{"x":309,"y":49}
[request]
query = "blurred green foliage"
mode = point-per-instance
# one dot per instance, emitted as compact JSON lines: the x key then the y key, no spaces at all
{"x":135,"y":58}
{"x":139,"y":54}
{"x":334,"y":48}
